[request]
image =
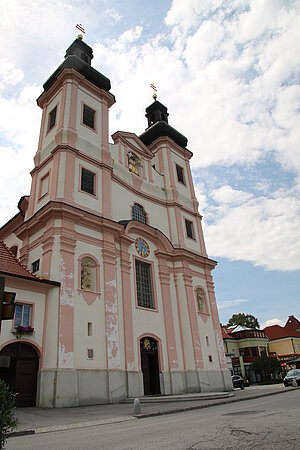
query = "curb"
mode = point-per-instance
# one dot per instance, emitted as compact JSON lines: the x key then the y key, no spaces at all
{"x":208,"y":405}
{"x":139,"y":416}
{"x":71,"y":426}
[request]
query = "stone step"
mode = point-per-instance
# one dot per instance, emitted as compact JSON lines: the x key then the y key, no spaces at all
{"x":179,"y":398}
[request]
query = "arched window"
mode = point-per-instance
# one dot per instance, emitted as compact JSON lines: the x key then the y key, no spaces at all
{"x":201,"y":302}
{"x":138,"y":213}
{"x":88,"y":274}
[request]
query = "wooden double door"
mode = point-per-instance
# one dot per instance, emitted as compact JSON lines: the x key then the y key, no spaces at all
{"x":150,"y":366}
{"x":21,"y":374}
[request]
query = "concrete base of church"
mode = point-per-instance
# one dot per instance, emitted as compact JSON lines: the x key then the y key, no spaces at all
{"x":70,"y":387}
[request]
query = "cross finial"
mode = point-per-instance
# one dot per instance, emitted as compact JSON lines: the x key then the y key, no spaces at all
{"x":152,"y":85}
{"x":80,"y":28}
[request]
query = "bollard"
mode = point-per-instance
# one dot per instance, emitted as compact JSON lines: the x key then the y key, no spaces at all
{"x":294,"y":382}
{"x":137,"y":410}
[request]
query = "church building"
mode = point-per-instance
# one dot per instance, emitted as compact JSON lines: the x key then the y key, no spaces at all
{"x":116,"y":298}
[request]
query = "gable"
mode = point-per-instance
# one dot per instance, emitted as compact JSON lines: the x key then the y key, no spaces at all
{"x":132,"y":141}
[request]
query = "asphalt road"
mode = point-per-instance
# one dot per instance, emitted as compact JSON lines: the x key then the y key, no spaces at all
{"x":265,"y":423}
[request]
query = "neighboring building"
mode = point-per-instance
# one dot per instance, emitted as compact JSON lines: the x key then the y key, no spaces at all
{"x":117,"y":226}
{"x":25,"y":336}
{"x":242,"y":346}
{"x":284,"y":342}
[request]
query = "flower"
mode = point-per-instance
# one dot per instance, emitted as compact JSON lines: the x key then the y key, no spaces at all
{"x":23,"y":330}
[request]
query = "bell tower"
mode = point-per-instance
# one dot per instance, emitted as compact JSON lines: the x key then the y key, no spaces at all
{"x":74,"y":128}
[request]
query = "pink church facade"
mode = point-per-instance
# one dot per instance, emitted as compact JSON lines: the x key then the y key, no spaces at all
{"x":117,"y":226}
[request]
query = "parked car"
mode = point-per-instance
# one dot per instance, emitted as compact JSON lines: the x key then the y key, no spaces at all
{"x":238,"y":382}
{"x":293,"y":374}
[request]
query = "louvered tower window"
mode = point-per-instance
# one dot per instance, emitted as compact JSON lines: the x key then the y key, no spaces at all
{"x":52,"y":118}
{"x":189,"y":229}
{"x":88,"y":117}
{"x":180,"y":176}
{"x":87,"y":181}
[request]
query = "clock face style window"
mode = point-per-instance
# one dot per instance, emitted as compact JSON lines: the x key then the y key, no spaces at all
{"x":142,"y":247}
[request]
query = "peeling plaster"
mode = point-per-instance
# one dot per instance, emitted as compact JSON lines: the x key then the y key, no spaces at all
{"x":113,"y":355}
{"x":66,"y":293}
{"x":112,"y":283}
{"x":220,"y":347}
{"x":112,"y":326}
{"x":66,"y":359}
{"x":131,"y":367}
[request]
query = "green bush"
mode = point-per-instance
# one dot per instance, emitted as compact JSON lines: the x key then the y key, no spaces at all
{"x":8,"y":420}
{"x":267,"y":366}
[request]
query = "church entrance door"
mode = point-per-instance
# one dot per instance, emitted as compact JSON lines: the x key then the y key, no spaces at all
{"x":150,"y":367}
{"x":21,"y":375}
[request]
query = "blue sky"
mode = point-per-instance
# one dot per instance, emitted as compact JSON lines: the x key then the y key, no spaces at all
{"x":229,"y":73}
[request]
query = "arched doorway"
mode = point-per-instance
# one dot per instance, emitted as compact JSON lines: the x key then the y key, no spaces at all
{"x":150,"y":367}
{"x":21,"y":374}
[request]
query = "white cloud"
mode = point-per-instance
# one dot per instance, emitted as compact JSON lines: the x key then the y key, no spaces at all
{"x":264,"y":231}
{"x":19,"y":126}
{"x":271,"y":322}
{"x":231,"y":303}
{"x":130,"y":36}
{"x":114,"y":14}
{"x":187,"y":14}
{"x":227,"y":195}
{"x":9,"y":74}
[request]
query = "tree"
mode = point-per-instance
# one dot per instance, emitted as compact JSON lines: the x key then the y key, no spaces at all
{"x":267,"y":366}
{"x":7,"y":418}
{"x":244,"y":320}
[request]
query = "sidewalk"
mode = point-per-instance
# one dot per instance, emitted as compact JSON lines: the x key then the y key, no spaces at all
{"x":42,"y":420}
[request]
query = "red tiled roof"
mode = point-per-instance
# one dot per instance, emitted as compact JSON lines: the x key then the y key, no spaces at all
{"x":10,"y":265}
{"x":275,"y":332}
{"x":289,"y":330}
{"x":292,"y":324}
{"x":225,"y":335}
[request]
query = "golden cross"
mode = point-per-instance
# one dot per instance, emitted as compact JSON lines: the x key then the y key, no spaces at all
{"x":80,"y":28}
{"x":152,"y":85}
